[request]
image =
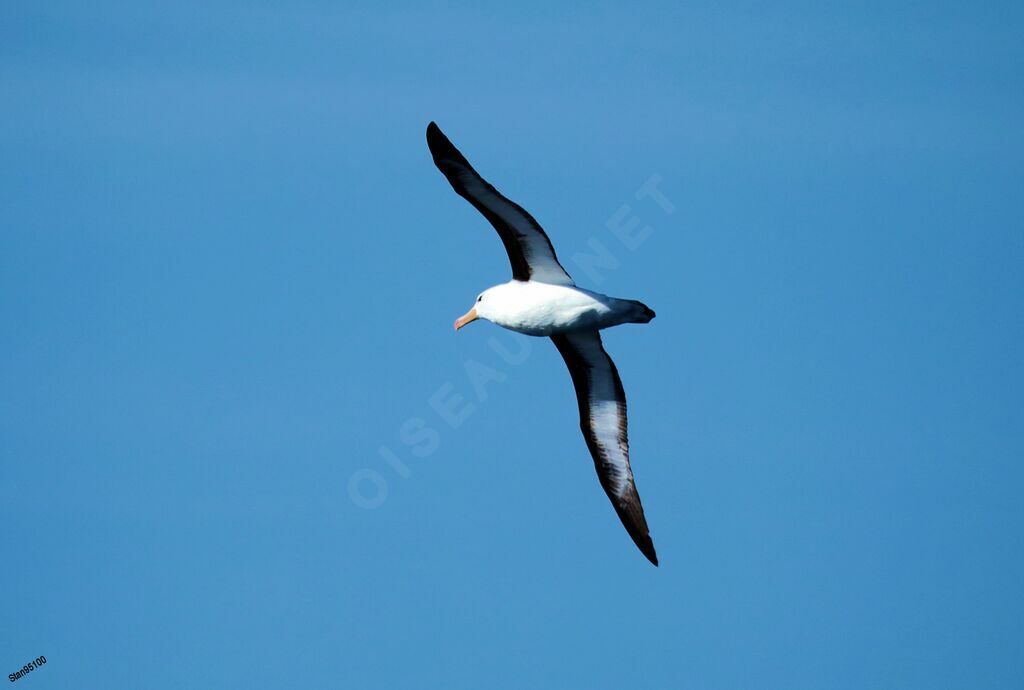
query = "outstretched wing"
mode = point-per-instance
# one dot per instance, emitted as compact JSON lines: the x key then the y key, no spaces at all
{"x":603,"y":422}
{"x":529,"y":249}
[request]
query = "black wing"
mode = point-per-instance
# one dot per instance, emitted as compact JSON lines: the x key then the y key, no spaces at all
{"x":602,"y":404}
{"x":529,"y":249}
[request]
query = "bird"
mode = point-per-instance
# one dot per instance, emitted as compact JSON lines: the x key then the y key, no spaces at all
{"x":543,"y":300}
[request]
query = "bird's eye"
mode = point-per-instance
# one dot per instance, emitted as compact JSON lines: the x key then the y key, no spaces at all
{"x":480,"y":298}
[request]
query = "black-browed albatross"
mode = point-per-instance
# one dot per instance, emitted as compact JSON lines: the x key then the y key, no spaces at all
{"x":542,"y":300}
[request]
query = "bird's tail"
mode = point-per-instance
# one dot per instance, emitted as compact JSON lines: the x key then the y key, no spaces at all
{"x":641,"y":313}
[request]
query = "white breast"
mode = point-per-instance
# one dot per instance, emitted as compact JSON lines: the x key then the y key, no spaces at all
{"x":541,"y":309}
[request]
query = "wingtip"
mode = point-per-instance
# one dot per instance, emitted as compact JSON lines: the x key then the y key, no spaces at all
{"x":648,"y":551}
{"x":434,"y":134}
{"x":645,"y":544}
{"x":442,"y":149}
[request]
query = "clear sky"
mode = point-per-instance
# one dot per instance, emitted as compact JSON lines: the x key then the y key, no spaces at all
{"x":228,"y":275}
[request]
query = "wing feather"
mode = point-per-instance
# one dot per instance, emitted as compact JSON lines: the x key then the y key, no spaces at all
{"x":529,"y":249}
{"x":602,"y":403}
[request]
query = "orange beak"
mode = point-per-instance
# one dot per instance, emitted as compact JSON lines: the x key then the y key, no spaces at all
{"x":465,"y":318}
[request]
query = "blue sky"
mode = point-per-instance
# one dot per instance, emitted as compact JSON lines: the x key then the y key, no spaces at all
{"x":228,"y":274}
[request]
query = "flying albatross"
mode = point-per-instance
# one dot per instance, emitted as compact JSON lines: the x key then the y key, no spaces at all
{"x":542,"y":300}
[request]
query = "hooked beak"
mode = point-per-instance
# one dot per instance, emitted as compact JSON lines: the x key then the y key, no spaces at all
{"x":465,"y":318}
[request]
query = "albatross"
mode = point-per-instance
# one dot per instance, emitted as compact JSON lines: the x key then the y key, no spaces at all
{"x":543,"y":300}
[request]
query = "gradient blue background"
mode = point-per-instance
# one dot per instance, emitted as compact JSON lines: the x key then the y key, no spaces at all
{"x":228,"y":274}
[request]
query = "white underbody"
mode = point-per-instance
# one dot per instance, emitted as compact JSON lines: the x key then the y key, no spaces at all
{"x":543,"y":309}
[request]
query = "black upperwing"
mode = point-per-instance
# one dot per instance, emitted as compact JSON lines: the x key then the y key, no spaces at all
{"x":529,"y":249}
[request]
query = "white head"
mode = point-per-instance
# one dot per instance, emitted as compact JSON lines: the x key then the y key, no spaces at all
{"x":485,"y":307}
